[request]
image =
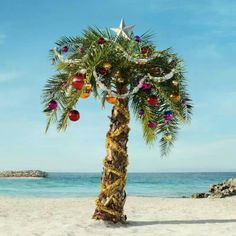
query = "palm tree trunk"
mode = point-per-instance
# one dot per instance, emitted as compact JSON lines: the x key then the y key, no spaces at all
{"x":111,"y":200}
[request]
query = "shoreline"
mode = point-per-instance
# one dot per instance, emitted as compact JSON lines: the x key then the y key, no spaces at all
{"x":145,"y":216}
{"x":21,"y":178}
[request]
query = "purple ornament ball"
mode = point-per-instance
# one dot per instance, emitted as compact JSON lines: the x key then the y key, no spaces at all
{"x":141,"y":112}
{"x":52,"y":105}
{"x":65,"y":49}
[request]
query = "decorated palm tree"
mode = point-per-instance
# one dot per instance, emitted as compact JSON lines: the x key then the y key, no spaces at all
{"x":128,"y":72}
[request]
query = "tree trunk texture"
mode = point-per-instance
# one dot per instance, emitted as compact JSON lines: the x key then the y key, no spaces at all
{"x":111,"y":200}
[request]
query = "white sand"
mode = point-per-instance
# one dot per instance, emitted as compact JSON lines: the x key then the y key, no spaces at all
{"x":146,"y":216}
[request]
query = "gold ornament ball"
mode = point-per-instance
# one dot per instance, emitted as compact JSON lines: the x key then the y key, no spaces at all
{"x":110,"y":99}
{"x":175,"y":97}
{"x":107,"y":66}
{"x":168,"y":137}
{"x":85,"y":94}
{"x":175,"y":83}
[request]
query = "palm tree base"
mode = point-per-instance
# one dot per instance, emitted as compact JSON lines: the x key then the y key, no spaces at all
{"x":101,"y":215}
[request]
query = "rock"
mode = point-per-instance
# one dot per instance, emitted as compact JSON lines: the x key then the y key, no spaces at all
{"x":200,"y":195}
{"x":225,"y":189}
{"x":220,"y":190}
{"x":26,"y":173}
{"x":231,"y":182}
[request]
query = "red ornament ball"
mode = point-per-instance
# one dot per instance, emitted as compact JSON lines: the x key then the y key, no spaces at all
{"x":78,"y":81}
{"x":101,"y":41}
{"x":152,"y":100}
{"x":74,"y":115}
{"x":102,"y":71}
{"x":152,"y":124}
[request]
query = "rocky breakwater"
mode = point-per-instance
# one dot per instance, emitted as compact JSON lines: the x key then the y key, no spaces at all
{"x":23,"y":174}
{"x":220,"y":190}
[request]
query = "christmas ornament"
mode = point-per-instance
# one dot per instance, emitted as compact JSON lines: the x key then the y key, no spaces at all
{"x":101,"y":41}
{"x":168,"y":115}
{"x":78,"y":81}
{"x":123,"y":30}
{"x":87,"y":90}
{"x":74,"y":115}
{"x":117,"y":74}
{"x":175,"y":98}
{"x":152,"y":100}
{"x":102,"y":71}
{"x":65,"y":49}
{"x":145,"y":50}
{"x":111,"y":99}
{"x":146,"y":86}
{"x":174,"y":82}
{"x":52,"y":105}
{"x":85,"y":94}
{"x":152,"y":124}
{"x":141,"y":112}
{"x":107,"y":66}
{"x":137,"y":39}
{"x":168,"y":137}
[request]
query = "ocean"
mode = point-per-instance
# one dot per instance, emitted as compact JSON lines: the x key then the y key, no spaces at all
{"x":88,"y":184}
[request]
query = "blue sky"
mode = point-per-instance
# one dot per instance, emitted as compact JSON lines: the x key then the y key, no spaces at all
{"x":202,"y":32}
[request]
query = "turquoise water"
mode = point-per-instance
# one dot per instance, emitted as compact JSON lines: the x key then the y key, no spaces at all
{"x":88,"y":184}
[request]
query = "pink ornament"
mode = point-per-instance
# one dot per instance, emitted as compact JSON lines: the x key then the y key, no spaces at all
{"x":152,"y":124}
{"x":168,"y":116}
{"x":146,"y":86}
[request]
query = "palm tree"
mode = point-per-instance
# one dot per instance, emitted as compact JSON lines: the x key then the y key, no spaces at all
{"x":128,"y":72}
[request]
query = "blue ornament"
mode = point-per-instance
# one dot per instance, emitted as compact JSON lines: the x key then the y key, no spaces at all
{"x":137,"y":39}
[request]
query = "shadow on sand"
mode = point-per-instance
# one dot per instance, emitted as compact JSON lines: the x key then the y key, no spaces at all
{"x":170,"y":222}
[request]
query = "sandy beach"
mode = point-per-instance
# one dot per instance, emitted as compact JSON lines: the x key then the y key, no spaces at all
{"x":146,"y":216}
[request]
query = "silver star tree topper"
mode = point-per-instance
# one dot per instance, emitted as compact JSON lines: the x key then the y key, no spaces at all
{"x":123,"y":30}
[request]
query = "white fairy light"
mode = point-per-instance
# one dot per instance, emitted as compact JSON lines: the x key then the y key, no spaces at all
{"x":163,"y":78}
